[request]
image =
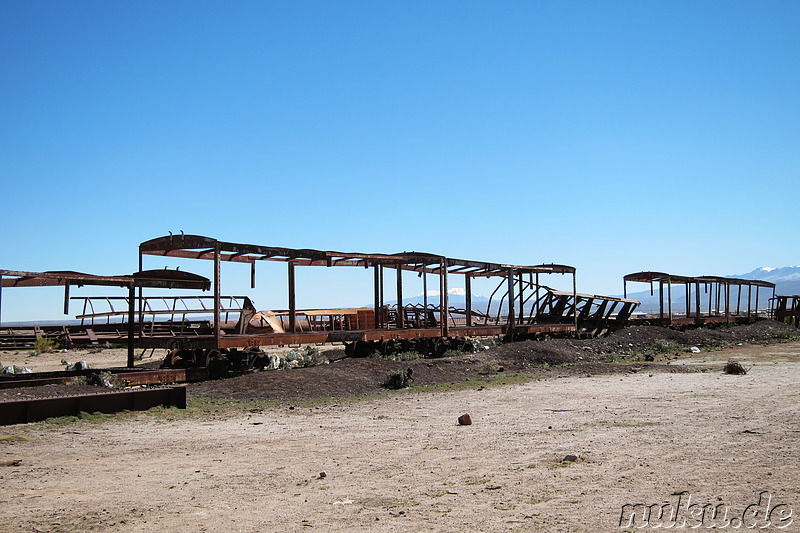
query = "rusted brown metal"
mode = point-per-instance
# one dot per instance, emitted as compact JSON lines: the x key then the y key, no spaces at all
{"x":119,"y":378}
{"x":24,"y":411}
{"x":786,"y":309}
{"x":170,"y":279}
{"x":166,"y":279}
{"x":385,"y":317}
{"x":718,"y":288}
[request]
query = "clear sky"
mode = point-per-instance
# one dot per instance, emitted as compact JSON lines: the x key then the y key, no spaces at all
{"x":613,"y":136}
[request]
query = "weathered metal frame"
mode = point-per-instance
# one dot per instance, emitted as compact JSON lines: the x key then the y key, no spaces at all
{"x":200,"y":247}
{"x":786,"y":309}
{"x":168,"y":279}
{"x":34,"y":410}
{"x":713,"y":285}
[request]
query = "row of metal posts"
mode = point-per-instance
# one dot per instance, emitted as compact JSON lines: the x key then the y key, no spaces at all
{"x":378,"y":293}
{"x":720,"y":288}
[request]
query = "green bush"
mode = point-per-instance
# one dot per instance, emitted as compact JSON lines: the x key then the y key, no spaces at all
{"x":490,"y":367}
{"x":400,"y":356}
{"x":44,"y":345}
{"x":397,"y":379}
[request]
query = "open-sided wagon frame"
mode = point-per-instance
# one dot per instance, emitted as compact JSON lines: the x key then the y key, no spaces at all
{"x":718,"y":299}
{"x":165,"y":279}
{"x":517,"y":280}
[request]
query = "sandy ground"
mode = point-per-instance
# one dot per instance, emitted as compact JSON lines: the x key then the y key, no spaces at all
{"x":403,"y":462}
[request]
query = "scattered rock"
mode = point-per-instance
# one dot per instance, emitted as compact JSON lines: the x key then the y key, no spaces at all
{"x":465,"y":420}
{"x":569,"y":458}
{"x":322,"y":475}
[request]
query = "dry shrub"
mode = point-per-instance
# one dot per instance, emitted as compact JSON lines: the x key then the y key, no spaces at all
{"x":735,"y":368}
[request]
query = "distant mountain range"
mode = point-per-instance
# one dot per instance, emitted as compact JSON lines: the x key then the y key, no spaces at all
{"x":456,"y":297}
{"x":786,"y":280}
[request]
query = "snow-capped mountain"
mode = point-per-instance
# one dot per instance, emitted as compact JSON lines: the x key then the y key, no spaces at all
{"x":456,"y":297}
{"x":774,"y":275}
{"x":456,"y":291}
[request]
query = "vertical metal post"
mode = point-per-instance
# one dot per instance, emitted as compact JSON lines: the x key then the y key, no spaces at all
{"x":253,"y":274}
{"x":727,"y":302}
{"x":511,"y":302}
{"x":738,"y":298}
{"x":538,"y":305}
{"x":749,"y":298}
{"x":660,"y":299}
{"x":216,"y":294}
{"x":757,"y":291}
{"x":624,"y":288}
{"x":66,"y":297}
{"x":710,"y":289}
{"x":400,"y":312}
{"x":521,"y":313}
{"x":575,"y":299}
{"x":425,"y":289}
{"x":697,"y":298}
{"x":669,"y":298}
{"x":688,"y":298}
{"x":773,"y":299}
{"x":380,"y":293}
{"x":468,"y":289}
{"x":141,"y":309}
{"x":444,"y":299}
{"x":376,"y":295}
{"x":292,"y":301}
{"x":131,"y":326}
{"x":425,"y":296}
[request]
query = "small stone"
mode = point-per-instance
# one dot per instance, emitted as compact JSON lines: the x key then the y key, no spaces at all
{"x":465,"y":420}
{"x":569,"y":458}
{"x":322,"y":475}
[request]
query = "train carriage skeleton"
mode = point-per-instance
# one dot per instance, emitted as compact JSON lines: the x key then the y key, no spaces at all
{"x":429,"y":328}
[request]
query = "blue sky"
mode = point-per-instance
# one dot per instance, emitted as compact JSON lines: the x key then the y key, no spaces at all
{"x":613,"y":136}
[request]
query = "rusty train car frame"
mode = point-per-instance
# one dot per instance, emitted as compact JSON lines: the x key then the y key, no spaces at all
{"x":786,"y":309}
{"x":165,"y":279}
{"x":387,"y":323}
{"x":713,"y":292}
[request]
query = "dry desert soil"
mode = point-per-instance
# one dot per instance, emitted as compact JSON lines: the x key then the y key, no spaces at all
{"x":309,"y":456}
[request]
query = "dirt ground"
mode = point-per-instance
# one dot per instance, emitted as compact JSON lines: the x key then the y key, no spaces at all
{"x":400,"y":460}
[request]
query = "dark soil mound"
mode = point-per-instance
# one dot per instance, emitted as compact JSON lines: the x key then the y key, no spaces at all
{"x":554,"y":357}
{"x":349,"y":377}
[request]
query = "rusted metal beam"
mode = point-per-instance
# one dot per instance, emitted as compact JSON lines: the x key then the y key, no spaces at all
{"x":24,"y":411}
{"x":292,"y":299}
{"x":400,"y":317}
{"x":511,"y":297}
{"x":131,"y":325}
{"x":122,"y":379}
{"x":217,"y":293}
{"x":148,"y":278}
{"x":468,"y":290}
{"x":376,"y":295}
